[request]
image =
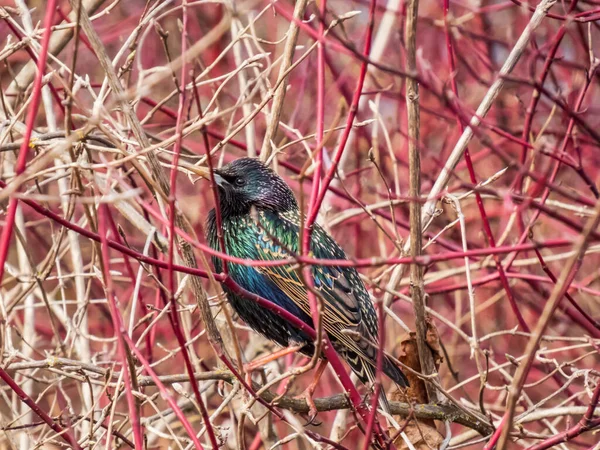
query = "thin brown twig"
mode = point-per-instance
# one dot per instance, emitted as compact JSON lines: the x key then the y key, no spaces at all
{"x":297,"y":405}
{"x":414,"y":168}
{"x":565,"y":279}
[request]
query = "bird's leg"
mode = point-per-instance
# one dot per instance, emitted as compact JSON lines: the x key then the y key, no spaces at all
{"x":263,"y":360}
{"x":310,"y":390}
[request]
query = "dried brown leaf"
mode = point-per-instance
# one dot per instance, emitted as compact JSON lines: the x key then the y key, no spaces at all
{"x":433,"y":340}
{"x":421,"y":435}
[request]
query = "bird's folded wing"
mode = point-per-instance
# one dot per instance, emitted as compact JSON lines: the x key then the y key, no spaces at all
{"x":342,"y":316}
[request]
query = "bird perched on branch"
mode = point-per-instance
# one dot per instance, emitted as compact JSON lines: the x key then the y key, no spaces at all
{"x":261,"y":221}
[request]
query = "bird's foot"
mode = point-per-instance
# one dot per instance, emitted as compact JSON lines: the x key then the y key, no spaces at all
{"x":307,"y":395}
{"x":310,"y":392}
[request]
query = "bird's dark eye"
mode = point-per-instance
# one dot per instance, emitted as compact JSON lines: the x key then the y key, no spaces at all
{"x":239,"y":181}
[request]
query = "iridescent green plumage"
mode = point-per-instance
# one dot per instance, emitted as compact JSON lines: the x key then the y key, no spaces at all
{"x":261,"y":222}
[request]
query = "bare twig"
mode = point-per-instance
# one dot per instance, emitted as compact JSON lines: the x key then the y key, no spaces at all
{"x":564,"y":281}
{"x":286,"y":62}
{"x":414,"y":169}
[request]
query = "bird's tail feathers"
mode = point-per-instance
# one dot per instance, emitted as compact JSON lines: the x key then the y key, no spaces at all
{"x":383,"y":402}
{"x":366,"y":373}
{"x":395,"y":373}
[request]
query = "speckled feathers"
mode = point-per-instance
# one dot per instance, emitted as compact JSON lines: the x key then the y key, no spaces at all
{"x":261,"y":222}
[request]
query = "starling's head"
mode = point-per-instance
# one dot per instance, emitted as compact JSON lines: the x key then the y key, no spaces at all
{"x":246,"y":183}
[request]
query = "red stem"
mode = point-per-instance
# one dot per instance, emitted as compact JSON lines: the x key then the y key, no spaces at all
{"x":63,"y":432}
{"x":306,"y":231}
{"x":494,"y":439}
{"x":117,"y":320}
{"x":5,"y":238}
{"x":378,"y":371}
{"x":585,"y":424}
{"x":338,"y":192}
{"x":316,"y":201}
{"x":363,"y":262}
{"x":473,"y":178}
{"x":82,"y":37}
{"x":314,"y":211}
{"x":535,"y":98}
{"x":172,"y":213}
{"x":142,"y":304}
{"x":537,"y":187}
{"x":162,"y":389}
{"x":31,"y":54}
{"x":551,"y":275}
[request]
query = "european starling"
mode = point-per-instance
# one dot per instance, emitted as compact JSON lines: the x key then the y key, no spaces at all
{"x":260,"y":220}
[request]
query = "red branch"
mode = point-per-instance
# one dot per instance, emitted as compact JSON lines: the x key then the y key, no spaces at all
{"x":473,"y":178}
{"x":172,"y":214}
{"x":117,"y":321}
{"x":31,"y":115}
{"x":586,"y":423}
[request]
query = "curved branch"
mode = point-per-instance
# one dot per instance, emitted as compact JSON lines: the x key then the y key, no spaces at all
{"x":323,"y":404}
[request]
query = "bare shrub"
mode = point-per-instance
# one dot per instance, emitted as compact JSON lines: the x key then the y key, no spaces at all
{"x":451,"y":149}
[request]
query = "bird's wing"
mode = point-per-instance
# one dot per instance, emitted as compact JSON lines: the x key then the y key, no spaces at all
{"x":346,"y":304}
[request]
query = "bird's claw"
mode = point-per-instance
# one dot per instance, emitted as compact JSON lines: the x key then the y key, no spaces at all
{"x":312,"y":408}
{"x":311,"y":419}
{"x":221,"y":388}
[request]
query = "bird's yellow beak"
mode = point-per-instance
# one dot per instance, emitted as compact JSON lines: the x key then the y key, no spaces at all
{"x":203,"y":172}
